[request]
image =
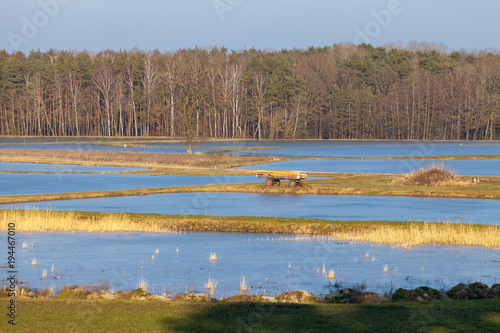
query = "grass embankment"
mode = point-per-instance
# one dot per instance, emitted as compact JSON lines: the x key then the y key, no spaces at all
{"x":40,"y":315}
{"x":113,"y":158}
{"x":405,"y":234}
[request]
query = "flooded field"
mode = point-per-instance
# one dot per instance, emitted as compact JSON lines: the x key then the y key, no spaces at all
{"x":381,"y":150}
{"x":329,"y":207}
{"x":289,"y":148}
{"x":177,"y":149}
{"x":271,"y":264}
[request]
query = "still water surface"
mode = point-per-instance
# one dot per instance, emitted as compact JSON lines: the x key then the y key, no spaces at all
{"x":329,"y":207}
{"x":120,"y":259}
{"x":381,"y":150}
{"x":33,"y":183}
{"x":291,"y":148}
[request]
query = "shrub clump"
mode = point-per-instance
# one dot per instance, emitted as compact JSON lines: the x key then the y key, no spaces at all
{"x":431,"y":174}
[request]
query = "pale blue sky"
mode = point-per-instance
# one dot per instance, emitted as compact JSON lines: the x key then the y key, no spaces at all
{"x":168,"y":25}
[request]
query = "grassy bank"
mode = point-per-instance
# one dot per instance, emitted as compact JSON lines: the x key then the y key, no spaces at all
{"x":114,"y":158}
{"x":155,"y":316}
{"x":405,"y":234}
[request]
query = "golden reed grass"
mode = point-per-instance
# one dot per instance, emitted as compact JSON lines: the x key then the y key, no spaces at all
{"x":411,"y":234}
{"x":401,"y":234}
{"x":243,"y":284}
{"x":143,"y":284}
{"x":48,"y":220}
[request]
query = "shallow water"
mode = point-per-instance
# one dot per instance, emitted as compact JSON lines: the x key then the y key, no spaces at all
{"x":48,"y":139}
{"x":33,"y":183}
{"x":9,"y":166}
{"x":382,"y":150}
{"x":329,"y":207}
{"x":463,"y":167}
{"x":321,"y":143}
{"x":291,"y":148}
{"x":100,"y":147}
{"x":120,"y":259}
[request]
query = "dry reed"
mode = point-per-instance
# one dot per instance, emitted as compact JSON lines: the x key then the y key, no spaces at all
{"x":243,"y":284}
{"x":48,"y":220}
{"x":402,"y":234}
{"x":143,"y":284}
{"x":211,"y":285}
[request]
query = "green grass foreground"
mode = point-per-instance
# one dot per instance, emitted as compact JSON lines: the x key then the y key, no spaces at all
{"x":41,"y":315}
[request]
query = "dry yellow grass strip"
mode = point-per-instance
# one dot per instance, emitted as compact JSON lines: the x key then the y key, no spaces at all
{"x":92,"y":157}
{"x":414,"y":234}
{"x":47,"y":220}
{"x":404,"y":234}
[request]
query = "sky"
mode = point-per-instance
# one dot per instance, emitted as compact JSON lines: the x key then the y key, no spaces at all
{"x":169,"y":25}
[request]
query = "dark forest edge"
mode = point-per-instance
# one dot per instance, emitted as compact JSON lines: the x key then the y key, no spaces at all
{"x":342,"y":91}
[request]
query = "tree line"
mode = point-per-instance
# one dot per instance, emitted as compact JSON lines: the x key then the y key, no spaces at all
{"x":344,"y":91}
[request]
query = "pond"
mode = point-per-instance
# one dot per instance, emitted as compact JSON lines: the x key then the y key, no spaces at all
{"x":463,"y":167}
{"x":33,"y":183}
{"x":271,"y":264}
{"x":329,"y":207}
